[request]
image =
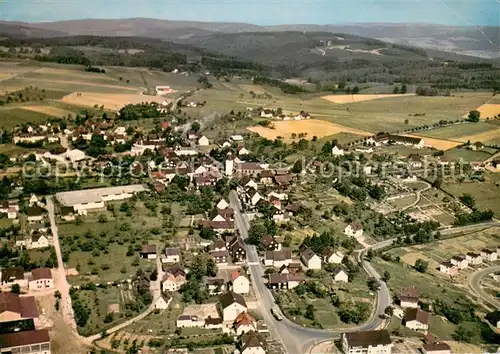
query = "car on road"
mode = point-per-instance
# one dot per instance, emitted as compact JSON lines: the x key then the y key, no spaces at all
{"x":276,"y":313}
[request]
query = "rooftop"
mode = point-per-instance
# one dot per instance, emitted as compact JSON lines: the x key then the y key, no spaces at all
{"x":95,"y":195}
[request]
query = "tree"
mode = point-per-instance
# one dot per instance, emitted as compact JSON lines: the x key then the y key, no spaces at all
{"x":15,"y":289}
{"x":195,"y":126}
{"x":437,"y":182}
{"x":256,"y":232}
{"x":386,"y":276}
{"x":404,"y":89}
{"x":474,"y":115}
{"x":309,"y":312}
{"x":208,"y":233}
{"x":396,"y":90}
{"x":421,"y":265}
{"x":463,"y":334}
{"x":468,"y":200}
{"x":297,"y":166}
{"x":389,"y":311}
{"x":373,"y":284}
{"x":355,"y":90}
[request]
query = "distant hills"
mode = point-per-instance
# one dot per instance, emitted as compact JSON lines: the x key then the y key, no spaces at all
{"x":475,"y":41}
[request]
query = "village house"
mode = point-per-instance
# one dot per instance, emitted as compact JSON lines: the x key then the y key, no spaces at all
{"x":240,"y":283}
{"x":253,"y":343}
{"x":448,"y":268}
{"x":354,"y":229}
{"x":41,"y":278}
{"x":340,"y":275}
{"x":460,"y":261}
{"x":243,"y":151}
{"x":29,"y":342}
{"x":285,"y":280}
{"x":337,"y":150}
{"x":244,"y":323}
{"x":203,"y":141}
{"x":172,"y":255}
{"x":415,"y":161}
{"x":252,"y":169}
{"x":38,"y":240}
{"x":266,"y":177}
{"x":163,"y":301}
{"x":186,"y":321}
{"x":35,"y":213}
{"x":367,"y":342}
{"x":269,"y":243}
{"x":416,"y":319}
{"x":173,"y":279}
{"x":476,"y":146}
{"x":237,"y":251}
{"x":474,"y":258}
{"x":149,"y":252}
{"x":215,"y":286}
{"x":436,"y":348}
{"x":231,"y":305}
{"x":15,"y":275}
{"x":333,"y":257}
{"x":16,"y":308}
{"x":310,"y":259}
{"x":408,"y":297}
{"x":283,"y":180}
{"x":489,"y":255}
{"x":219,"y":226}
{"x":278,"y":258}
{"x":221,"y":258}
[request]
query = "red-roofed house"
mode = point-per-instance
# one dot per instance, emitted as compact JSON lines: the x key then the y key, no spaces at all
{"x":41,"y":279}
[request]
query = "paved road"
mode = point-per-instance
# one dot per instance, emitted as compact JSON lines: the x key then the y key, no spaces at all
{"x":475,"y":285}
{"x":295,"y":338}
{"x":298,"y":339}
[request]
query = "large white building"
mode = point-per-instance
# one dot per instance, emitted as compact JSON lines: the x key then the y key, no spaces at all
{"x":94,"y":199}
{"x":367,"y":342}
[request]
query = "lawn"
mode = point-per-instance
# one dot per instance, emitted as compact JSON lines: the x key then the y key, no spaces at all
{"x":466,"y":155}
{"x":486,"y":194}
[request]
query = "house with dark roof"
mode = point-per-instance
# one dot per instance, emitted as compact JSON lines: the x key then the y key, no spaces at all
{"x":172,"y":255}
{"x":231,"y":305}
{"x":35,"y":342}
{"x":238,"y":251}
{"x":310,"y":259}
{"x":253,"y":343}
{"x":221,"y":258}
{"x":474,"y":258}
{"x":283,"y":180}
{"x":460,"y":261}
{"x":38,"y":240}
{"x":149,"y":251}
{"x":269,"y":243}
{"x":173,"y":278}
{"x":41,"y":278}
{"x":278,"y":258}
{"x":354,"y":229}
{"x":367,"y":342}
{"x":15,"y":308}
{"x":489,"y":255}
{"x":436,"y":348}
{"x":35,"y":213}
{"x":9,"y":276}
{"x":416,"y":319}
{"x":252,"y":169}
{"x":448,"y":268}
{"x":285,"y":280}
{"x":408,"y":297}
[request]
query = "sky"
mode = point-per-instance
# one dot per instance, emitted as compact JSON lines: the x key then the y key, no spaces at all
{"x":261,"y":12}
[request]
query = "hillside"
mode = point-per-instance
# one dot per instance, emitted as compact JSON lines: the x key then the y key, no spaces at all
{"x":477,"y":41}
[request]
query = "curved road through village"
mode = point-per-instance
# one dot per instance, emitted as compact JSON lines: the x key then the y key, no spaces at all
{"x":298,"y":339}
{"x":475,"y":285}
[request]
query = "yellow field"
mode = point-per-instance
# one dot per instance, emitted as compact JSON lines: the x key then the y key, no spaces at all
{"x":51,"y":111}
{"x":487,"y":110}
{"x":254,"y":88}
{"x":313,"y":127}
{"x":440,"y":144}
{"x":492,"y":134}
{"x":341,"y":99}
{"x":113,"y":101}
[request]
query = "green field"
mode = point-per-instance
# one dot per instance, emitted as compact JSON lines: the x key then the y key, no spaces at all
{"x":486,"y":194}
{"x":466,"y":155}
{"x":457,"y":131}
{"x":10,"y":117}
{"x":377,"y":115}
{"x":98,"y":250}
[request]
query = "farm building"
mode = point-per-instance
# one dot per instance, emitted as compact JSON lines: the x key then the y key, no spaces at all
{"x":94,"y":199}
